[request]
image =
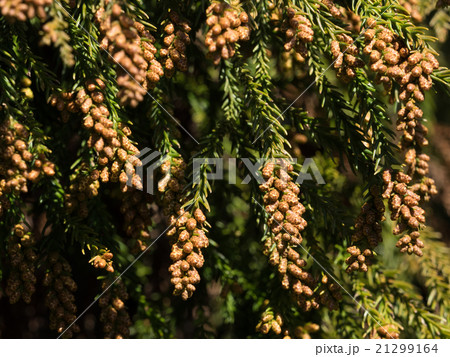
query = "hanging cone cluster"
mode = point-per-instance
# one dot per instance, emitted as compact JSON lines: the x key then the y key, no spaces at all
{"x":116,"y":154}
{"x":298,"y":32}
{"x":131,"y":46}
{"x":84,"y":184}
{"x":22,"y":258}
{"x":346,"y":57}
{"x":334,"y":10}
{"x":114,"y":315}
{"x":226,"y":26}
{"x":411,"y":70}
{"x":329,"y":293}
{"x":60,"y":297}
{"x":137,"y":215}
{"x":281,"y":202}
{"x":103,"y":260}
{"x":65,"y":103}
{"x":187,"y":234}
{"x":22,"y":10}
{"x":367,"y":232}
{"x":175,"y":40}
{"x":18,"y":165}
{"x":394,"y":62}
{"x":271,"y":322}
{"x":405,"y":209}
{"x":188,"y":238}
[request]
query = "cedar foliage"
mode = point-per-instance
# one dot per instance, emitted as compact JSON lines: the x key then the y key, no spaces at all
{"x":85,"y":86}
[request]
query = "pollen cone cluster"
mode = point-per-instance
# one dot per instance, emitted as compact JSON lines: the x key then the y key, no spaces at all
{"x":65,"y":103}
{"x":298,"y":32}
{"x":60,"y":298}
{"x":116,"y":154}
{"x":175,"y":41}
{"x":22,"y":258}
{"x":272,"y":322}
{"x":137,"y":215}
{"x":187,"y":232}
{"x":334,"y":10}
{"x":84,"y":184}
{"x":226,"y":26}
{"x":346,"y":57}
{"x":411,"y":70}
{"x":281,"y":202}
{"x":394,"y":62}
{"x":132,"y":48}
{"x":329,"y":293}
{"x":405,"y":209}
{"x":22,"y":10}
{"x":18,"y":165}
{"x":367,"y":233}
{"x":114,"y":315}
{"x":103,"y":260}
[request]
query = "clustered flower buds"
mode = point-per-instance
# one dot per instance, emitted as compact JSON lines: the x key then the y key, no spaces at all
{"x":393,"y":61}
{"x":103,"y":260}
{"x":172,"y":184}
{"x":116,"y":154}
{"x":389,"y":331}
{"x":345,"y":56}
{"x":226,"y":26}
{"x":137,"y":215}
{"x":187,"y":232}
{"x":413,"y":9}
{"x":23,"y":10}
{"x":132,"y":47}
{"x":405,"y":209}
{"x":411,"y":70}
{"x":414,"y":132}
{"x":329,"y":293}
{"x":418,"y":164}
{"x":188,"y":238}
{"x":18,"y":165}
{"x":84,"y":184}
{"x":281,"y":202}
{"x":60,"y":297}
{"x":334,"y":10}
{"x":22,"y":279}
{"x":114,"y":316}
{"x":272,"y":322}
{"x":367,"y":232}
{"x":65,"y":103}
{"x":175,"y":40}
{"x":298,"y":31}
